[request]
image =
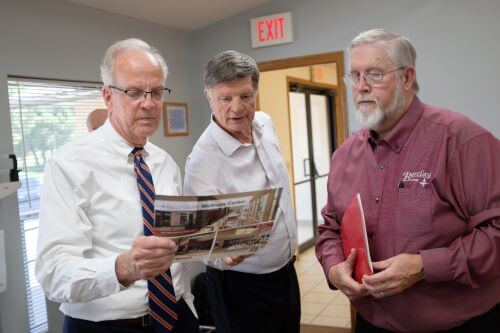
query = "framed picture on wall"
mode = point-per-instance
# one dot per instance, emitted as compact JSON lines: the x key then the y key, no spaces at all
{"x":175,"y":118}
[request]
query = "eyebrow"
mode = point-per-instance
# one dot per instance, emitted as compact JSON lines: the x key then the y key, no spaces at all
{"x":139,"y":88}
{"x":369,"y":70}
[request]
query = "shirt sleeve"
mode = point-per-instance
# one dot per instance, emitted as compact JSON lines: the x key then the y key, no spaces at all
{"x":473,"y":258}
{"x":64,"y":235}
{"x":328,"y":246}
{"x":199,"y":176}
{"x":199,"y":179}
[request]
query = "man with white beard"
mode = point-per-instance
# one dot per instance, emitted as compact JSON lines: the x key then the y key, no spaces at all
{"x":429,"y":180}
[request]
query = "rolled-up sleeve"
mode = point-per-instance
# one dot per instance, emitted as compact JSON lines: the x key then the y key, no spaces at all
{"x":64,"y":235}
{"x":472,"y":259}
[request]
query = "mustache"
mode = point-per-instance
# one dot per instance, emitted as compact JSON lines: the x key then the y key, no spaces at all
{"x":366,"y":99}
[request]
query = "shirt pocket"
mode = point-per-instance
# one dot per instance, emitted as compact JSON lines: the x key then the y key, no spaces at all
{"x":413,"y":215}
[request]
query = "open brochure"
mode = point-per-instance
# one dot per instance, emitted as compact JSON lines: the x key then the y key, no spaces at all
{"x":213,"y":226}
{"x":353,"y":235}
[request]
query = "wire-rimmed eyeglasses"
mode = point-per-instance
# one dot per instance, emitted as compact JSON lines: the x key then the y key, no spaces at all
{"x":135,"y":94}
{"x":370,"y":77}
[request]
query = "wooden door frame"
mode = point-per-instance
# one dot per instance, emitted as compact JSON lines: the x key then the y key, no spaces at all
{"x":341,"y":122}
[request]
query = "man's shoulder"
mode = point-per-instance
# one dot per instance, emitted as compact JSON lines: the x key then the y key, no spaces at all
{"x":456,"y":125}
{"x":82,"y":147}
{"x":161,"y":160}
{"x":265,"y":121}
{"x":157,"y":152}
{"x":203,"y":151}
{"x":263,"y":117}
{"x":205,"y":142}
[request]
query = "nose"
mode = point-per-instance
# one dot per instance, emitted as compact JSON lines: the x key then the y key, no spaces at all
{"x":147,"y":100}
{"x":236,"y":104}
{"x":362,"y":85}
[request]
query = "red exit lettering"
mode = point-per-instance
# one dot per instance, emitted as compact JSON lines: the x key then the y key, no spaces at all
{"x":271,"y":29}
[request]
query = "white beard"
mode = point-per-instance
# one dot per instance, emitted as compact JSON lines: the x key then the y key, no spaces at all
{"x":376,"y":119}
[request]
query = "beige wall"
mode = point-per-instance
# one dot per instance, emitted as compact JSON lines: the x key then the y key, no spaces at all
{"x":273,"y":99}
{"x":324,"y":73}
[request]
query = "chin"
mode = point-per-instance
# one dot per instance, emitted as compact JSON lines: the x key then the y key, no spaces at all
{"x":369,"y":118}
{"x":147,"y":131}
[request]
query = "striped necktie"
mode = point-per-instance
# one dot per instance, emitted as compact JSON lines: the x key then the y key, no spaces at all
{"x":162,"y":302}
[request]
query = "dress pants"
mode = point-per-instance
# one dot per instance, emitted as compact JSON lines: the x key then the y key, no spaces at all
{"x":264,"y":303}
{"x":186,"y":323}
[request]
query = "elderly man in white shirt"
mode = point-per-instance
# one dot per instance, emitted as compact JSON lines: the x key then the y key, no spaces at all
{"x":93,"y":256}
{"x":239,"y":152}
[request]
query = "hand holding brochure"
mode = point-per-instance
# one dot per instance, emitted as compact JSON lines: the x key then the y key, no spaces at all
{"x":353,"y":235}
{"x":213,"y":226}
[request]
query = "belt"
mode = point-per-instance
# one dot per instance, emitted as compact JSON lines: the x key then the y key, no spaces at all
{"x":140,"y":321}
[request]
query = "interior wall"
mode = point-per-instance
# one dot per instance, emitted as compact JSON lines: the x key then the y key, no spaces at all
{"x":57,"y":39}
{"x":324,"y":73}
{"x":457,"y":65}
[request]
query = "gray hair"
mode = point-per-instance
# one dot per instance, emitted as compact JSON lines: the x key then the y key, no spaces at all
{"x":131,"y":44}
{"x":229,"y":66}
{"x":400,"y":51}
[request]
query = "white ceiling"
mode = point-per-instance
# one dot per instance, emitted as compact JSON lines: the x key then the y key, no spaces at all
{"x":188,"y":15}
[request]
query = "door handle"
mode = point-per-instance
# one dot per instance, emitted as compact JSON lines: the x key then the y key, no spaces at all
{"x":306,"y":167}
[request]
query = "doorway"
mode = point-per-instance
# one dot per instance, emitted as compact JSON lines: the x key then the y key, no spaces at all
{"x":314,"y":76}
{"x":312,"y":111}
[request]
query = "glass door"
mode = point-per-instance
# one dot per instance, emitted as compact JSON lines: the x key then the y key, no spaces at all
{"x":311,"y":112}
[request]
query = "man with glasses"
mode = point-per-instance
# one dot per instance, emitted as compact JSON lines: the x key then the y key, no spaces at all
{"x":96,"y":252}
{"x":429,"y":180}
{"x":239,"y":152}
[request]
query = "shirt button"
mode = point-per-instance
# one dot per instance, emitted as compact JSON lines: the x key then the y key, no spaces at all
{"x":381,"y":165}
{"x":376,"y":199}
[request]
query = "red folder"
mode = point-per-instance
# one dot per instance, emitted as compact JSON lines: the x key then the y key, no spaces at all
{"x":353,"y":235}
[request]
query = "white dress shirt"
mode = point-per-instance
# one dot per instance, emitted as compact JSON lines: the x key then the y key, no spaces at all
{"x":90,"y":212}
{"x":221,"y":164}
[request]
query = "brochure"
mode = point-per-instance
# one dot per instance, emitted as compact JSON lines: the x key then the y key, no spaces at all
{"x":226,"y":225}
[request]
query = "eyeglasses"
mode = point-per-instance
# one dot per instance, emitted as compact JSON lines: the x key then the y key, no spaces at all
{"x":370,"y":77}
{"x":136,"y":94}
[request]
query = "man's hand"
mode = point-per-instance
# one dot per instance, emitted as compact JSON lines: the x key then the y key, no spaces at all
{"x":149,"y":256}
{"x":340,"y":276}
{"x":233,"y":261}
{"x":397,"y":274}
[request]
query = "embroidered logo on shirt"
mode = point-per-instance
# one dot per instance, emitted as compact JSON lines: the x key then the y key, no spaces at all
{"x":421,"y":177}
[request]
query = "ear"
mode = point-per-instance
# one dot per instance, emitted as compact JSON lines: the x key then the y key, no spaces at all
{"x":106,"y":95}
{"x":409,"y":77}
{"x":207,"y":96}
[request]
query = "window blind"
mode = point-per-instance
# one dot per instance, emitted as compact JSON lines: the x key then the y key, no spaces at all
{"x":45,"y":114}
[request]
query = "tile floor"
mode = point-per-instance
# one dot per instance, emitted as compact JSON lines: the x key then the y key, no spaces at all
{"x":320,"y":305}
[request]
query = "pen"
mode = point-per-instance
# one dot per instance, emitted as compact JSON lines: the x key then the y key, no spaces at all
{"x":401,"y":184}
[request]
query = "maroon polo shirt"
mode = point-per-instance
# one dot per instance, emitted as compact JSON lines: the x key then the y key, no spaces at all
{"x":431,"y":187}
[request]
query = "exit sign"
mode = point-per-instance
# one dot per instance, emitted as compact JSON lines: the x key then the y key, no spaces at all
{"x":271,"y":30}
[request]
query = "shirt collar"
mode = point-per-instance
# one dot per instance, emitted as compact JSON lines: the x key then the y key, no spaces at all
{"x":227,"y":143}
{"x":120,"y":146}
{"x":398,"y":135}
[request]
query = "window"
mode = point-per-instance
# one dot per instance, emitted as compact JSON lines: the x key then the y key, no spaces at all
{"x":44,"y":116}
